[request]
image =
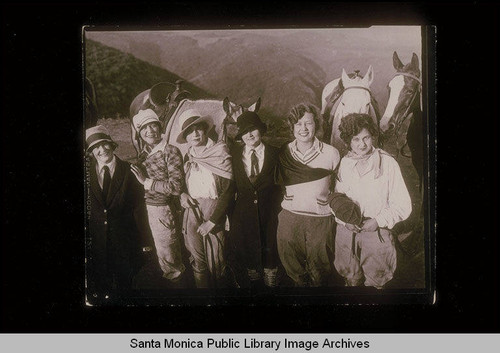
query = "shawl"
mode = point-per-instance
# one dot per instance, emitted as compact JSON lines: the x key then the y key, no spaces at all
{"x":215,"y":157}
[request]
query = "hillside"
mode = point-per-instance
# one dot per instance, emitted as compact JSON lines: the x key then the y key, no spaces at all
{"x":118,"y":77}
{"x":284,"y":67}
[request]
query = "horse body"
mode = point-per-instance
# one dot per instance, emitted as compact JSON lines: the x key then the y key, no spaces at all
{"x":402,"y":118}
{"x":345,"y":95}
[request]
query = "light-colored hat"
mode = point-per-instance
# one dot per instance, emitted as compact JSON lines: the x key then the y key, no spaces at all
{"x":191,"y":117}
{"x":144,"y":117}
{"x":95,"y":135}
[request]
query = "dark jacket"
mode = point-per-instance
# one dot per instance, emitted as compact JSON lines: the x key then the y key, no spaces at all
{"x":116,"y":230}
{"x":254,"y":215}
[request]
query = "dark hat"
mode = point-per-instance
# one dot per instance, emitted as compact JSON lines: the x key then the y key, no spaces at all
{"x":249,"y":121}
{"x":345,"y":209}
{"x":96,"y":135}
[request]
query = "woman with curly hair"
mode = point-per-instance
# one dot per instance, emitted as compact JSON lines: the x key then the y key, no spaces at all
{"x":305,"y":224}
{"x":366,"y":253}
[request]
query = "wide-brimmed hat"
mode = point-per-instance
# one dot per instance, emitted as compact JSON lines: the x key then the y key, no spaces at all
{"x":345,"y":209}
{"x":144,"y":117}
{"x":249,"y":121}
{"x":189,"y":118}
{"x":95,"y":135}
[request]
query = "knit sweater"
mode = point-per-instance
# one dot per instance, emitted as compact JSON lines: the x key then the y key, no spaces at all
{"x":311,"y":198}
{"x":165,"y":173}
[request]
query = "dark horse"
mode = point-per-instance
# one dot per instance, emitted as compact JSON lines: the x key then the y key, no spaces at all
{"x":402,"y":119}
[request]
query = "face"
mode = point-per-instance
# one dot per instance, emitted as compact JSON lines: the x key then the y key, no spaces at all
{"x":305,"y":128}
{"x":196,"y":135}
{"x":252,"y":138}
{"x":103,"y":152}
{"x":362,"y":143}
{"x":150,"y":133}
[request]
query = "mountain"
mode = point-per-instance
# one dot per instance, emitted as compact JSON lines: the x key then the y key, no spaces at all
{"x":119,"y":77}
{"x":283,"y":67}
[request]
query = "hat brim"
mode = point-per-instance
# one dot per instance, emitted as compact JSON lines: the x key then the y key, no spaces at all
{"x":202,"y":119}
{"x":262,"y":128}
{"x":96,"y":142}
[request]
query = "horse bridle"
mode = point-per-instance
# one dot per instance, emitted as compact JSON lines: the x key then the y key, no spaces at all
{"x":406,"y":114}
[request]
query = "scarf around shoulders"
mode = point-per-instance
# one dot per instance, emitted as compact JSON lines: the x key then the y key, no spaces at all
{"x":215,"y":157}
{"x":365,"y":164}
{"x":291,"y":171}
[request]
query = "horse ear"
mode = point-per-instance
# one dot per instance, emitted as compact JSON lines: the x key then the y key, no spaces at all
{"x":225,"y":105}
{"x":345,"y":78}
{"x":414,"y":61}
{"x":368,"y":79}
{"x":398,"y":65}
{"x":255,"y":107}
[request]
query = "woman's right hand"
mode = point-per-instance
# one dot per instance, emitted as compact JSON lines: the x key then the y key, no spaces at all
{"x":352,"y":228}
{"x":187,"y":201}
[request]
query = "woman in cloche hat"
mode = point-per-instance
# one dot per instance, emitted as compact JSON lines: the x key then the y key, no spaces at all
{"x":209,"y":190}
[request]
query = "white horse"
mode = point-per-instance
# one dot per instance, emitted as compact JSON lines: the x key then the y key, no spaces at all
{"x":347,"y":94}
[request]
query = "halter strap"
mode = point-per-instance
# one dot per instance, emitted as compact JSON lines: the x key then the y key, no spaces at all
{"x":409,"y":75}
{"x":359,"y":87}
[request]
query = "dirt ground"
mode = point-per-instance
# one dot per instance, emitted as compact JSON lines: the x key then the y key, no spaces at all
{"x":411,"y":254}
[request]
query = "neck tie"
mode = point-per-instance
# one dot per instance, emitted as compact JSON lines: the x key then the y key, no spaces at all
{"x":106,"y":181}
{"x":254,"y":167}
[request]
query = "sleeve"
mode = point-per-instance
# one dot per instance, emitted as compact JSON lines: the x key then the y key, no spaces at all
{"x":398,"y":199}
{"x":341,"y":182}
{"x":140,"y":213}
{"x":227,"y":190}
{"x":174,"y":184}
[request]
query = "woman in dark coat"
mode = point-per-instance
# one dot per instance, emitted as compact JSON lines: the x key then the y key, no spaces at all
{"x":115,"y":213}
{"x":257,"y":204}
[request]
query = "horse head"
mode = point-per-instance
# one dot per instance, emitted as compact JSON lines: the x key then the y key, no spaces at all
{"x":351,"y":95}
{"x":233,"y":111}
{"x":356,"y":97}
{"x":404,"y":93}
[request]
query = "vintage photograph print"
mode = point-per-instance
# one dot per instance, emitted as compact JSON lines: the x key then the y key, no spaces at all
{"x":258,"y":165}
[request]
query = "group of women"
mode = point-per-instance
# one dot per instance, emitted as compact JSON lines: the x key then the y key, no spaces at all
{"x":254,"y":209}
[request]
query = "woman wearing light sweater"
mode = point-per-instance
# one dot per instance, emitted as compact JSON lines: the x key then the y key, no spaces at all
{"x":366,"y":253}
{"x":305,"y":224}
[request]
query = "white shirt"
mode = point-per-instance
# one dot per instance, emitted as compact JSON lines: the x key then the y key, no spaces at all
{"x":385,"y":198}
{"x":201,"y":181}
{"x":247,"y":153}
{"x":100,"y":172}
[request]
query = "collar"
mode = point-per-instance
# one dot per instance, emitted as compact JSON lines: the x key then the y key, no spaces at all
{"x":259,"y":150}
{"x":209,"y":144}
{"x":310,"y":154}
{"x":111,"y":165}
{"x":158,"y":147}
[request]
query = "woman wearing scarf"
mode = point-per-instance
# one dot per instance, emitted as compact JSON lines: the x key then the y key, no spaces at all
{"x":366,"y":253}
{"x":305,"y":225}
{"x":210,"y":188}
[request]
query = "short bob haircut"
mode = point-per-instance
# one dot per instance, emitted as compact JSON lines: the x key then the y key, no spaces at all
{"x":298,"y":112}
{"x":353,"y":123}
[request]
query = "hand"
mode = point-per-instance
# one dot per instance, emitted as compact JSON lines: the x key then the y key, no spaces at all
{"x":139,"y":174}
{"x":352,"y":228}
{"x":187,"y":201}
{"x":206,"y":227}
{"x":370,"y":225}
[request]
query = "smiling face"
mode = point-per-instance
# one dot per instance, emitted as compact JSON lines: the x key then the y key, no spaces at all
{"x":362,"y":143}
{"x":150,"y":133}
{"x":252,"y":138}
{"x":305,"y":128}
{"x":196,"y":135}
{"x":103,"y":152}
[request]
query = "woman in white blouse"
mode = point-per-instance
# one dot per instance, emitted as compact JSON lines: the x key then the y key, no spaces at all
{"x":366,"y":253}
